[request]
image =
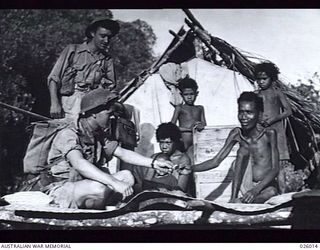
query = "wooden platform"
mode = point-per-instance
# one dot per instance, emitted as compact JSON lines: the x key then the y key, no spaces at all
{"x":150,"y":219}
{"x":183,"y":212}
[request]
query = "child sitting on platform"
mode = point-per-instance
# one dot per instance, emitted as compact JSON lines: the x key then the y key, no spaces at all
{"x":171,"y":146}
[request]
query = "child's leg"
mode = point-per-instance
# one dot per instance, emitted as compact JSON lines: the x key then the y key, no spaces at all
{"x":187,"y":138}
{"x":190,"y":153}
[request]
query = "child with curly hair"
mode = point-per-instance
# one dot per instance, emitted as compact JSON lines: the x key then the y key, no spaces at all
{"x":275,"y":110}
{"x":190,"y":116}
{"x":169,"y":137}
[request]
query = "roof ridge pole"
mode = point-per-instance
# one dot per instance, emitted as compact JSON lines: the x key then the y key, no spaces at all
{"x":192,"y":18}
{"x":242,"y":64}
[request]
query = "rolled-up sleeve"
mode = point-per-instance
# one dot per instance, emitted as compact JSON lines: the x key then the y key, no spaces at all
{"x":66,"y":141}
{"x":60,"y":65}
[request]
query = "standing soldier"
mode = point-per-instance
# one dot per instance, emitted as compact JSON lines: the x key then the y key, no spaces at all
{"x":81,"y":68}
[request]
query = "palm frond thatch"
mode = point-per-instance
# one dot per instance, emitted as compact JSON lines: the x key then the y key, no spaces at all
{"x":235,"y":60}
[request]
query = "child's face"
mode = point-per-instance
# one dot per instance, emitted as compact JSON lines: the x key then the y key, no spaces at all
{"x":263,"y":80}
{"x":167,"y":146}
{"x":189,"y":95}
{"x":248,"y":115}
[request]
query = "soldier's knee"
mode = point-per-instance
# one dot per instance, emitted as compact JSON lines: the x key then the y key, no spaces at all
{"x":99,"y":189}
{"x":125,"y":175}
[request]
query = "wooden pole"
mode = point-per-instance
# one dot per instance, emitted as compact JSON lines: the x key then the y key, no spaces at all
{"x":22,"y":111}
{"x":138,"y":81}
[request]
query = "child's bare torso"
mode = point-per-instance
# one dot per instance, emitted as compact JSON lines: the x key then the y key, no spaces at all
{"x":271,"y":102}
{"x":259,"y":151}
{"x":189,"y":115}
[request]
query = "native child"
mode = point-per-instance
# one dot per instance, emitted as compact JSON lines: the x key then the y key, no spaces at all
{"x":257,"y":161}
{"x":190,"y":116}
{"x":275,"y":110}
{"x":169,"y":138}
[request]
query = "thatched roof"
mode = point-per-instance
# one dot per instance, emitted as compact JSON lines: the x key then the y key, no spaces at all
{"x":304,"y":121}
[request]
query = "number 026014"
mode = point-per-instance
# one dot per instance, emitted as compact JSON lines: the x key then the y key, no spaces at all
{"x":306,"y":245}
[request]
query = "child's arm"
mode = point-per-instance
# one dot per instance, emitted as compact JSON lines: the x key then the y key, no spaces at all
{"x":175,"y":118}
{"x":184,"y":172}
{"x":200,"y":125}
{"x":251,"y":194}
{"x":183,"y":182}
{"x":287,"y":111}
{"x":203,"y":118}
{"x":220,"y":156}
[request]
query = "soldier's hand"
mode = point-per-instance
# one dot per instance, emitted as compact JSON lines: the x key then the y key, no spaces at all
{"x":163,"y":167}
{"x":122,"y":187}
{"x":56,"y":111}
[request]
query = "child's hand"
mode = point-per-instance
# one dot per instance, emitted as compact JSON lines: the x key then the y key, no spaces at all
{"x":184,"y":170}
{"x":199,"y":126}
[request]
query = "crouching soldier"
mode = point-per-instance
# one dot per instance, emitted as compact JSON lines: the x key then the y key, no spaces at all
{"x":77,"y":152}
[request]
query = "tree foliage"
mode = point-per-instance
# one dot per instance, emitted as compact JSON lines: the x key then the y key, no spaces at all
{"x":31,"y":41}
{"x":308,"y":90}
{"x":138,"y":39}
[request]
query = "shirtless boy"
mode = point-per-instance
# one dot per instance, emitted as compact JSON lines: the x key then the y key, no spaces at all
{"x":190,"y":116}
{"x":169,"y":138}
{"x":275,"y":110}
{"x":257,"y":157}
